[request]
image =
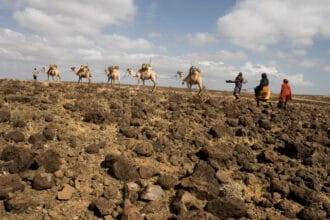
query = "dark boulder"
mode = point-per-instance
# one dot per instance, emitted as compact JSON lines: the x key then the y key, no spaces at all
{"x":121,"y":168}
{"x":4,"y":116}
{"x":50,"y":160}
{"x":43,"y":181}
{"x":15,"y":136}
{"x":19,"y":159}
{"x":227,"y":207}
{"x":10,"y":183}
{"x":202,"y":182}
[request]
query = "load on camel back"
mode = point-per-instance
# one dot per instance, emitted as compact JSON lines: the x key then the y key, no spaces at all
{"x":145,"y":66}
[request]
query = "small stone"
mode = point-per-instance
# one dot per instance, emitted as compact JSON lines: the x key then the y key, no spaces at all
{"x":282,"y":187}
{"x":223,"y":177}
{"x":145,"y":149}
{"x":49,"y":118}
{"x":152,"y":192}
{"x":49,"y":133}
{"x":147,"y":172}
{"x":265,"y":123}
{"x":131,"y":212}
{"x":19,"y":203}
{"x":15,"y":136}
{"x":102,"y":206}
{"x":215,"y":132}
{"x":50,"y":160}
{"x":10,"y":183}
{"x":66,"y":192}
{"x":4,"y":116}
{"x":167,"y":181}
{"x":227,"y":208}
{"x":59,"y":174}
{"x":121,"y":168}
{"x":43,"y":181}
{"x":174,"y":160}
{"x":37,"y":138}
{"x":92,"y":149}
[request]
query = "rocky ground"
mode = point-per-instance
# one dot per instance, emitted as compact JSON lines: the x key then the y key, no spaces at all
{"x":70,"y":151}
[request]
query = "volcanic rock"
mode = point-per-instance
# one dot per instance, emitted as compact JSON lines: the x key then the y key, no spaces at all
{"x":10,"y":183}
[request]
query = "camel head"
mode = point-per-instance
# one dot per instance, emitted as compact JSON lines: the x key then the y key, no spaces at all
{"x":73,"y":68}
{"x":129,"y":71}
{"x":179,"y":74}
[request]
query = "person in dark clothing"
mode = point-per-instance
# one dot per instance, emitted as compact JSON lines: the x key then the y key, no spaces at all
{"x":239,"y":80}
{"x":263,"y":82}
{"x":35,"y":74}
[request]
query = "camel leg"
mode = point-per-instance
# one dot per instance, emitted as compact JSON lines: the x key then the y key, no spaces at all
{"x":143,"y":82}
{"x":138,"y":85}
{"x":89,"y":80}
{"x":154,"y":87}
{"x":48,"y":77}
{"x":200,"y":88}
{"x":108,"y":79}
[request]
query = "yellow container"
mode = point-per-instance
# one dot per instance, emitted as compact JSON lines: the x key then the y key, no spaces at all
{"x":265,"y":93}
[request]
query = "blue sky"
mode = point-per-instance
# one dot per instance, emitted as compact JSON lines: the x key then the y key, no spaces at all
{"x":286,"y":39}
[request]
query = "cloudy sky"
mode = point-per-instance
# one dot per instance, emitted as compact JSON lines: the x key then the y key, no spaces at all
{"x":285,"y":38}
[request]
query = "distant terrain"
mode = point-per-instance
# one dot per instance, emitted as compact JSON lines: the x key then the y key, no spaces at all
{"x":92,"y":151}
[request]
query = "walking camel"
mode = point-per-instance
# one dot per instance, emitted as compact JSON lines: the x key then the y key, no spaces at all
{"x":82,"y":72}
{"x":145,"y":73}
{"x":52,"y":71}
{"x":194,"y":77}
{"x":113,"y":74}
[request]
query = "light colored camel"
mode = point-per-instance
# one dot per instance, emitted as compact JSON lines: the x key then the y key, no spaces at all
{"x":194,"y":77}
{"x":52,"y":71}
{"x":113,"y":74}
{"x":143,"y":74}
{"x":82,"y":72}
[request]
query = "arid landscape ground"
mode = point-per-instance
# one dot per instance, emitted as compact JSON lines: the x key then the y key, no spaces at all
{"x":79,"y":151}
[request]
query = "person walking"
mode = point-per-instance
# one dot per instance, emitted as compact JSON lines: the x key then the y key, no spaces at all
{"x":285,"y":94}
{"x":35,"y":74}
{"x":239,"y":81}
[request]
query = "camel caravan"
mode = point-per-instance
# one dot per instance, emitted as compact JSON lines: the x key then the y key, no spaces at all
{"x":145,"y":73}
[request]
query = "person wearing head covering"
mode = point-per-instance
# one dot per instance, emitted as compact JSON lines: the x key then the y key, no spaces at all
{"x":239,"y":80}
{"x":285,"y":94}
{"x":35,"y":74}
{"x":263,"y":83}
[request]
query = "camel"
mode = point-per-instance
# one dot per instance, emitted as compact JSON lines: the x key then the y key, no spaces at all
{"x":145,"y":73}
{"x":113,"y":74}
{"x":82,"y":72}
{"x":194,"y":77}
{"x":52,"y":71}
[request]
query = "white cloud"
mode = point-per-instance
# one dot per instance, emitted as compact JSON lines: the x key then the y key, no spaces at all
{"x":225,"y":55}
{"x":326,"y":68}
{"x":200,"y":38}
{"x":74,"y":16}
{"x":255,"y":24}
{"x":154,"y":34}
{"x":308,"y":63}
{"x":256,"y":69}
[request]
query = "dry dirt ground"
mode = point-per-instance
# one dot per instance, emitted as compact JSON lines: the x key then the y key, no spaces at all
{"x":70,"y":151}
